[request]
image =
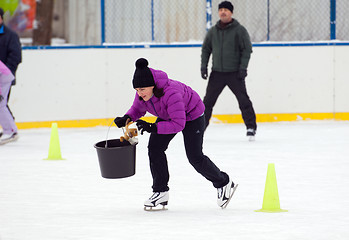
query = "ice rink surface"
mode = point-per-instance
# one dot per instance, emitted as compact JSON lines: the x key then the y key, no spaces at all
{"x":68,"y":199}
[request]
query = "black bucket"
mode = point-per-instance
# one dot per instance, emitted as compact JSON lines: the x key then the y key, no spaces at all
{"x":116,"y":159}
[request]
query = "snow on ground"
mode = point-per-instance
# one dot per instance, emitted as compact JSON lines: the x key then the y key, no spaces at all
{"x":68,"y":199}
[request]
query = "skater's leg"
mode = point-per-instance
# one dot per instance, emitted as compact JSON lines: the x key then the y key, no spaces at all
{"x":157,"y":146}
{"x":8,"y":99}
{"x":6,"y":120}
{"x":214,"y":88}
{"x":238,"y":87}
{"x":193,"y":139}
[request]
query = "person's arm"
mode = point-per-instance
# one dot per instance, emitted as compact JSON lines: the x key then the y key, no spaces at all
{"x":14,"y":53}
{"x":137,"y":109}
{"x":245,"y":46}
{"x":206,"y":51}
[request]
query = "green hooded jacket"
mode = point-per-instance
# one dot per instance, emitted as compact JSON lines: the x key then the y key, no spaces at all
{"x":231,"y":47}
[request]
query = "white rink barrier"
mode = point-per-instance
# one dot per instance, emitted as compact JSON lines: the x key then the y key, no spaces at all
{"x":82,"y":83}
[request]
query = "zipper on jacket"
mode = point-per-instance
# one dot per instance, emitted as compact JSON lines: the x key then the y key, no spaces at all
{"x":154,"y":107}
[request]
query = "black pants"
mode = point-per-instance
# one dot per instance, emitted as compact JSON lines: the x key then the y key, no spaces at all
{"x":216,"y":84}
{"x":193,"y":139}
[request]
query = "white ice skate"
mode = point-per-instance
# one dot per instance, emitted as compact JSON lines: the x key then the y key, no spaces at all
{"x":225,"y":194}
{"x":6,"y":138}
{"x":251,"y":134}
{"x":156,"y":199}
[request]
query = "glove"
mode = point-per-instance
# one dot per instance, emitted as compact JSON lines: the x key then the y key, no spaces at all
{"x":1,"y":98}
{"x":204,"y":73}
{"x":121,"y":121}
{"x":145,"y":126}
{"x":242,"y":74}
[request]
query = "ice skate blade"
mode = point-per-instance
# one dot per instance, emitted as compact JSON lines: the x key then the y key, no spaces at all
{"x":5,"y":141}
{"x":231,"y":195}
{"x":251,"y":138}
{"x":154,"y":209}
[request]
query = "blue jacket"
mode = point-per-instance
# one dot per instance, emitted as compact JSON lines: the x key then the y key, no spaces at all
{"x":10,"y":49}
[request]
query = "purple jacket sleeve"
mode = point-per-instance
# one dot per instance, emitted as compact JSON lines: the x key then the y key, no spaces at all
{"x":137,"y":109}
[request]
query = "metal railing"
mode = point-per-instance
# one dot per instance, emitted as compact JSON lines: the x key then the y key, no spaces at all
{"x":163,"y":21}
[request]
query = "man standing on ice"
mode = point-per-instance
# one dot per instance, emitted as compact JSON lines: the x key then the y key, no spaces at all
{"x":178,"y":108}
{"x":230,"y":45}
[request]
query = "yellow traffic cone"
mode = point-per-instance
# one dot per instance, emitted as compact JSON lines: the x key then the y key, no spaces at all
{"x":271,"y":201}
{"x":54,"y":152}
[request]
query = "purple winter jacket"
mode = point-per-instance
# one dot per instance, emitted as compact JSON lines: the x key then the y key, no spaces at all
{"x":179,"y":104}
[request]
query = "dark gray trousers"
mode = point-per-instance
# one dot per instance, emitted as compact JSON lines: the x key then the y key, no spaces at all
{"x":216,"y":84}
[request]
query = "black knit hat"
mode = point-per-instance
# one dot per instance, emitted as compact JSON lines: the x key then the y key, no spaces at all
{"x":142,"y":76}
{"x":227,"y":5}
{"x":2,"y":13}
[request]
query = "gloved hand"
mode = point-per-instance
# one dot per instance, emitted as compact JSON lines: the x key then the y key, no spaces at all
{"x":204,"y":73}
{"x":145,"y":126}
{"x":121,"y":121}
{"x":1,"y":98}
{"x":242,"y":74}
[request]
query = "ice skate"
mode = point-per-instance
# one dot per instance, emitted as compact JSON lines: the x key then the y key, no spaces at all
{"x":6,"y":138}
{"x":251,"y":134}
{"x":225,"y":194}
{"x":156,"y":199}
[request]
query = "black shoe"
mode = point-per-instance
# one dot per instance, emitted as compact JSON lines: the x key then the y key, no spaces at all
{"x":251,"y":132}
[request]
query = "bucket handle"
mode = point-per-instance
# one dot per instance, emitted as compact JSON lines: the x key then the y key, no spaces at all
{"x":106,"y":138}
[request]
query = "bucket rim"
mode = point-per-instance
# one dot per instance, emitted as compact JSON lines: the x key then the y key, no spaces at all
{"x":98,"y":147}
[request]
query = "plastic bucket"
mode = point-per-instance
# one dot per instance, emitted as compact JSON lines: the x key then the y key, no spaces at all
{"x":116,"y":159}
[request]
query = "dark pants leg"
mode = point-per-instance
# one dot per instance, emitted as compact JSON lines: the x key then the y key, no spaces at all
{"x":214,"y":88}
{"x":193,"y":138}
{"x":238,"y":87}
{"x":157,"y":146}
{"x":216,"y":84}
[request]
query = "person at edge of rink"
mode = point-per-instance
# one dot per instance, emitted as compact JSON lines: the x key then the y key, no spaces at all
{"x":11,"y":57}
{"x":6,"y":120}
{"x":230,"y":45}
